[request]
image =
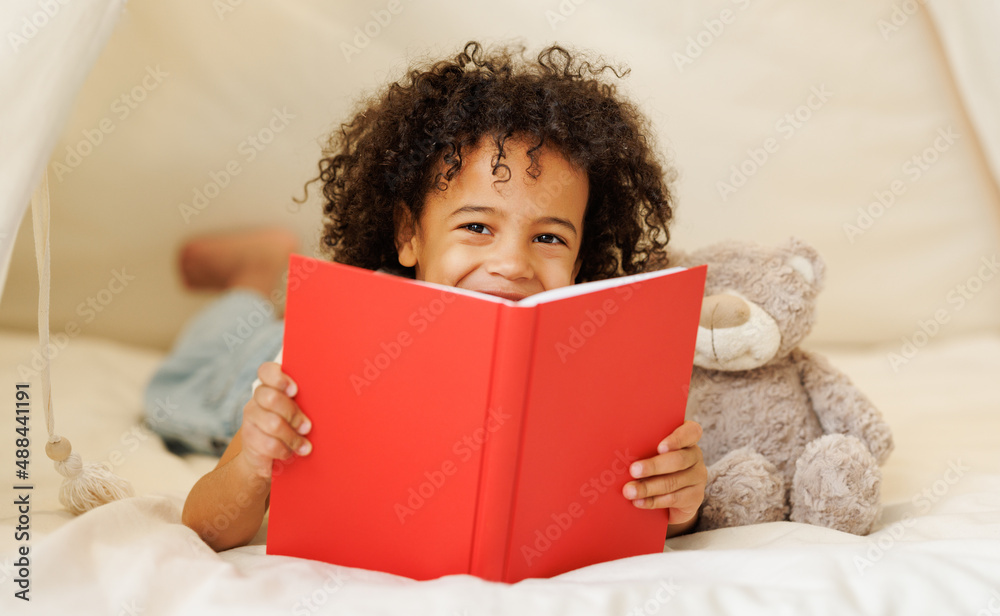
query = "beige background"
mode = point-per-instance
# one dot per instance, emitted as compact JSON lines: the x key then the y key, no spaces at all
{"x":209,"y":80}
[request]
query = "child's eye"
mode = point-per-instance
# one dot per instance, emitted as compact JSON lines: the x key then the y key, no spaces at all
{"x":475,"y":227}
{"x":555,"y":239}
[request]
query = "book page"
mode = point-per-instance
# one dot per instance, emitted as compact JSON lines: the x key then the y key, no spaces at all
{"x":552,"y":294}
{"x":589,"y":287}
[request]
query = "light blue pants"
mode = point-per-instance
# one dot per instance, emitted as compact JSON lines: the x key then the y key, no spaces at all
{"x":195,"y":399}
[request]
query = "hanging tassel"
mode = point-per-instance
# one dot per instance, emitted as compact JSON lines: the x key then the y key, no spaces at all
{"x":85,"y":485}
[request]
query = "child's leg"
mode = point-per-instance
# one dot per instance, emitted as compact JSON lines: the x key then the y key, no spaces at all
{"x":195,"y":399}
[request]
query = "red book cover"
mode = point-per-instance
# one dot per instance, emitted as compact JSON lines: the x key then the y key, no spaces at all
{"x":456,"y":432}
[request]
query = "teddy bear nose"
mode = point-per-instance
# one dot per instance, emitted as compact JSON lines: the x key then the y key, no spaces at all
{"x":722,"y":310}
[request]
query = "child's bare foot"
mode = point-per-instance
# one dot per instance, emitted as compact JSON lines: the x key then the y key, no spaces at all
{"x":253,"y":259}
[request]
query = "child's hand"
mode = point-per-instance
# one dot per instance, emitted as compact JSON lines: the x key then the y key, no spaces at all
{"x":273,"y":425}
{"x":674,"y":479}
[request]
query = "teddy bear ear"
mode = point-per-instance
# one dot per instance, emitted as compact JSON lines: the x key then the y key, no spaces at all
{"x":805,"y":259}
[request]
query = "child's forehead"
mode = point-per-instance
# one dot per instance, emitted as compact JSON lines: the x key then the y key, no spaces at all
{"x":519,"y":168}
{"x":522,"y":157}
{"x":515,"y":187}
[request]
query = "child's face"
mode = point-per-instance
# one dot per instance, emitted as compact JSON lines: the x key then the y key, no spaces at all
{"x":510,"y":239}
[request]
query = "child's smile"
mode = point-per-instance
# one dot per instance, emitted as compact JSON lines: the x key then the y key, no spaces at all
{"x":511,"y":239}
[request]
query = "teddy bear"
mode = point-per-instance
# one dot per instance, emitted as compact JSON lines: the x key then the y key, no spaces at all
{"x":786,"y":435}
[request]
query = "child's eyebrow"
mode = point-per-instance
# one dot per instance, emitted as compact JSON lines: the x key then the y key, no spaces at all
{"x":486,"y":209}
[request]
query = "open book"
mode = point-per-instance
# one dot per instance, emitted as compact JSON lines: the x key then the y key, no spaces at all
{"x":458,"y":432}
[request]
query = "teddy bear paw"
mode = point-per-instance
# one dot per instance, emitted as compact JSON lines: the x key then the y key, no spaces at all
{"x":837,"y":484}
{"x":743,"y":488}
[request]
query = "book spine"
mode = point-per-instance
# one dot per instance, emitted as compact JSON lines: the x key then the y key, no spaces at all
{"x":502,"y":424}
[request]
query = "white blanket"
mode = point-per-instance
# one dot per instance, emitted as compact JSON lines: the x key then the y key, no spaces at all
{"x":937,"y":550}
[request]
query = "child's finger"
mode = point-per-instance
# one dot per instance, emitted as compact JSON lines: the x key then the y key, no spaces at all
{"x":277,"y":402}
{"x":664,"y":484}
{"x":260,"y":452}
{"x":683,"y":504}
{"x":270,"y":374}
{"x":686,"y":435}
{"x":272,"y":436}
{"x":665,"y":463}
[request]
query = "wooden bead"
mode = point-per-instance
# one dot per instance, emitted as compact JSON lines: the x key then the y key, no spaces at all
{"x":59,"y":450}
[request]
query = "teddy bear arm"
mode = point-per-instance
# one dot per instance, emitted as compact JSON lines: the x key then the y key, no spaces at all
{"x":841,"y":407}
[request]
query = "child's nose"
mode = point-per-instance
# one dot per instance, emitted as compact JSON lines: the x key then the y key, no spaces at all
{"x":510,"y":260}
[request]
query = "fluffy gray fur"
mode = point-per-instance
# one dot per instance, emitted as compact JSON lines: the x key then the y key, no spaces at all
{"x":792,"y":437}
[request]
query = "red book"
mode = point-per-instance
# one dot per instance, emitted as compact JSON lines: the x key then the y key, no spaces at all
{"x":456,"y":432}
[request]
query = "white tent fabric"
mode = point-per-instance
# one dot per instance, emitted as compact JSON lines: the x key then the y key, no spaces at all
{"x":49,"y":48}
{"x":968,"y":31}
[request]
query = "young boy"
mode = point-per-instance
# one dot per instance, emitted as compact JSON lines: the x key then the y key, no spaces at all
{"x":482,"y":174}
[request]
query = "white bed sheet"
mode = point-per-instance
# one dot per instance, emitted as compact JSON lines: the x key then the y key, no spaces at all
{"x":937,"y":550}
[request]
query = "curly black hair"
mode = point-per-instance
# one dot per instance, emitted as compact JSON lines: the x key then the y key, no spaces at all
{"x":388,"y":153}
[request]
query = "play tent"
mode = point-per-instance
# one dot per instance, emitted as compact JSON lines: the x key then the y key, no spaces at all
{"x":897,"y":71}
